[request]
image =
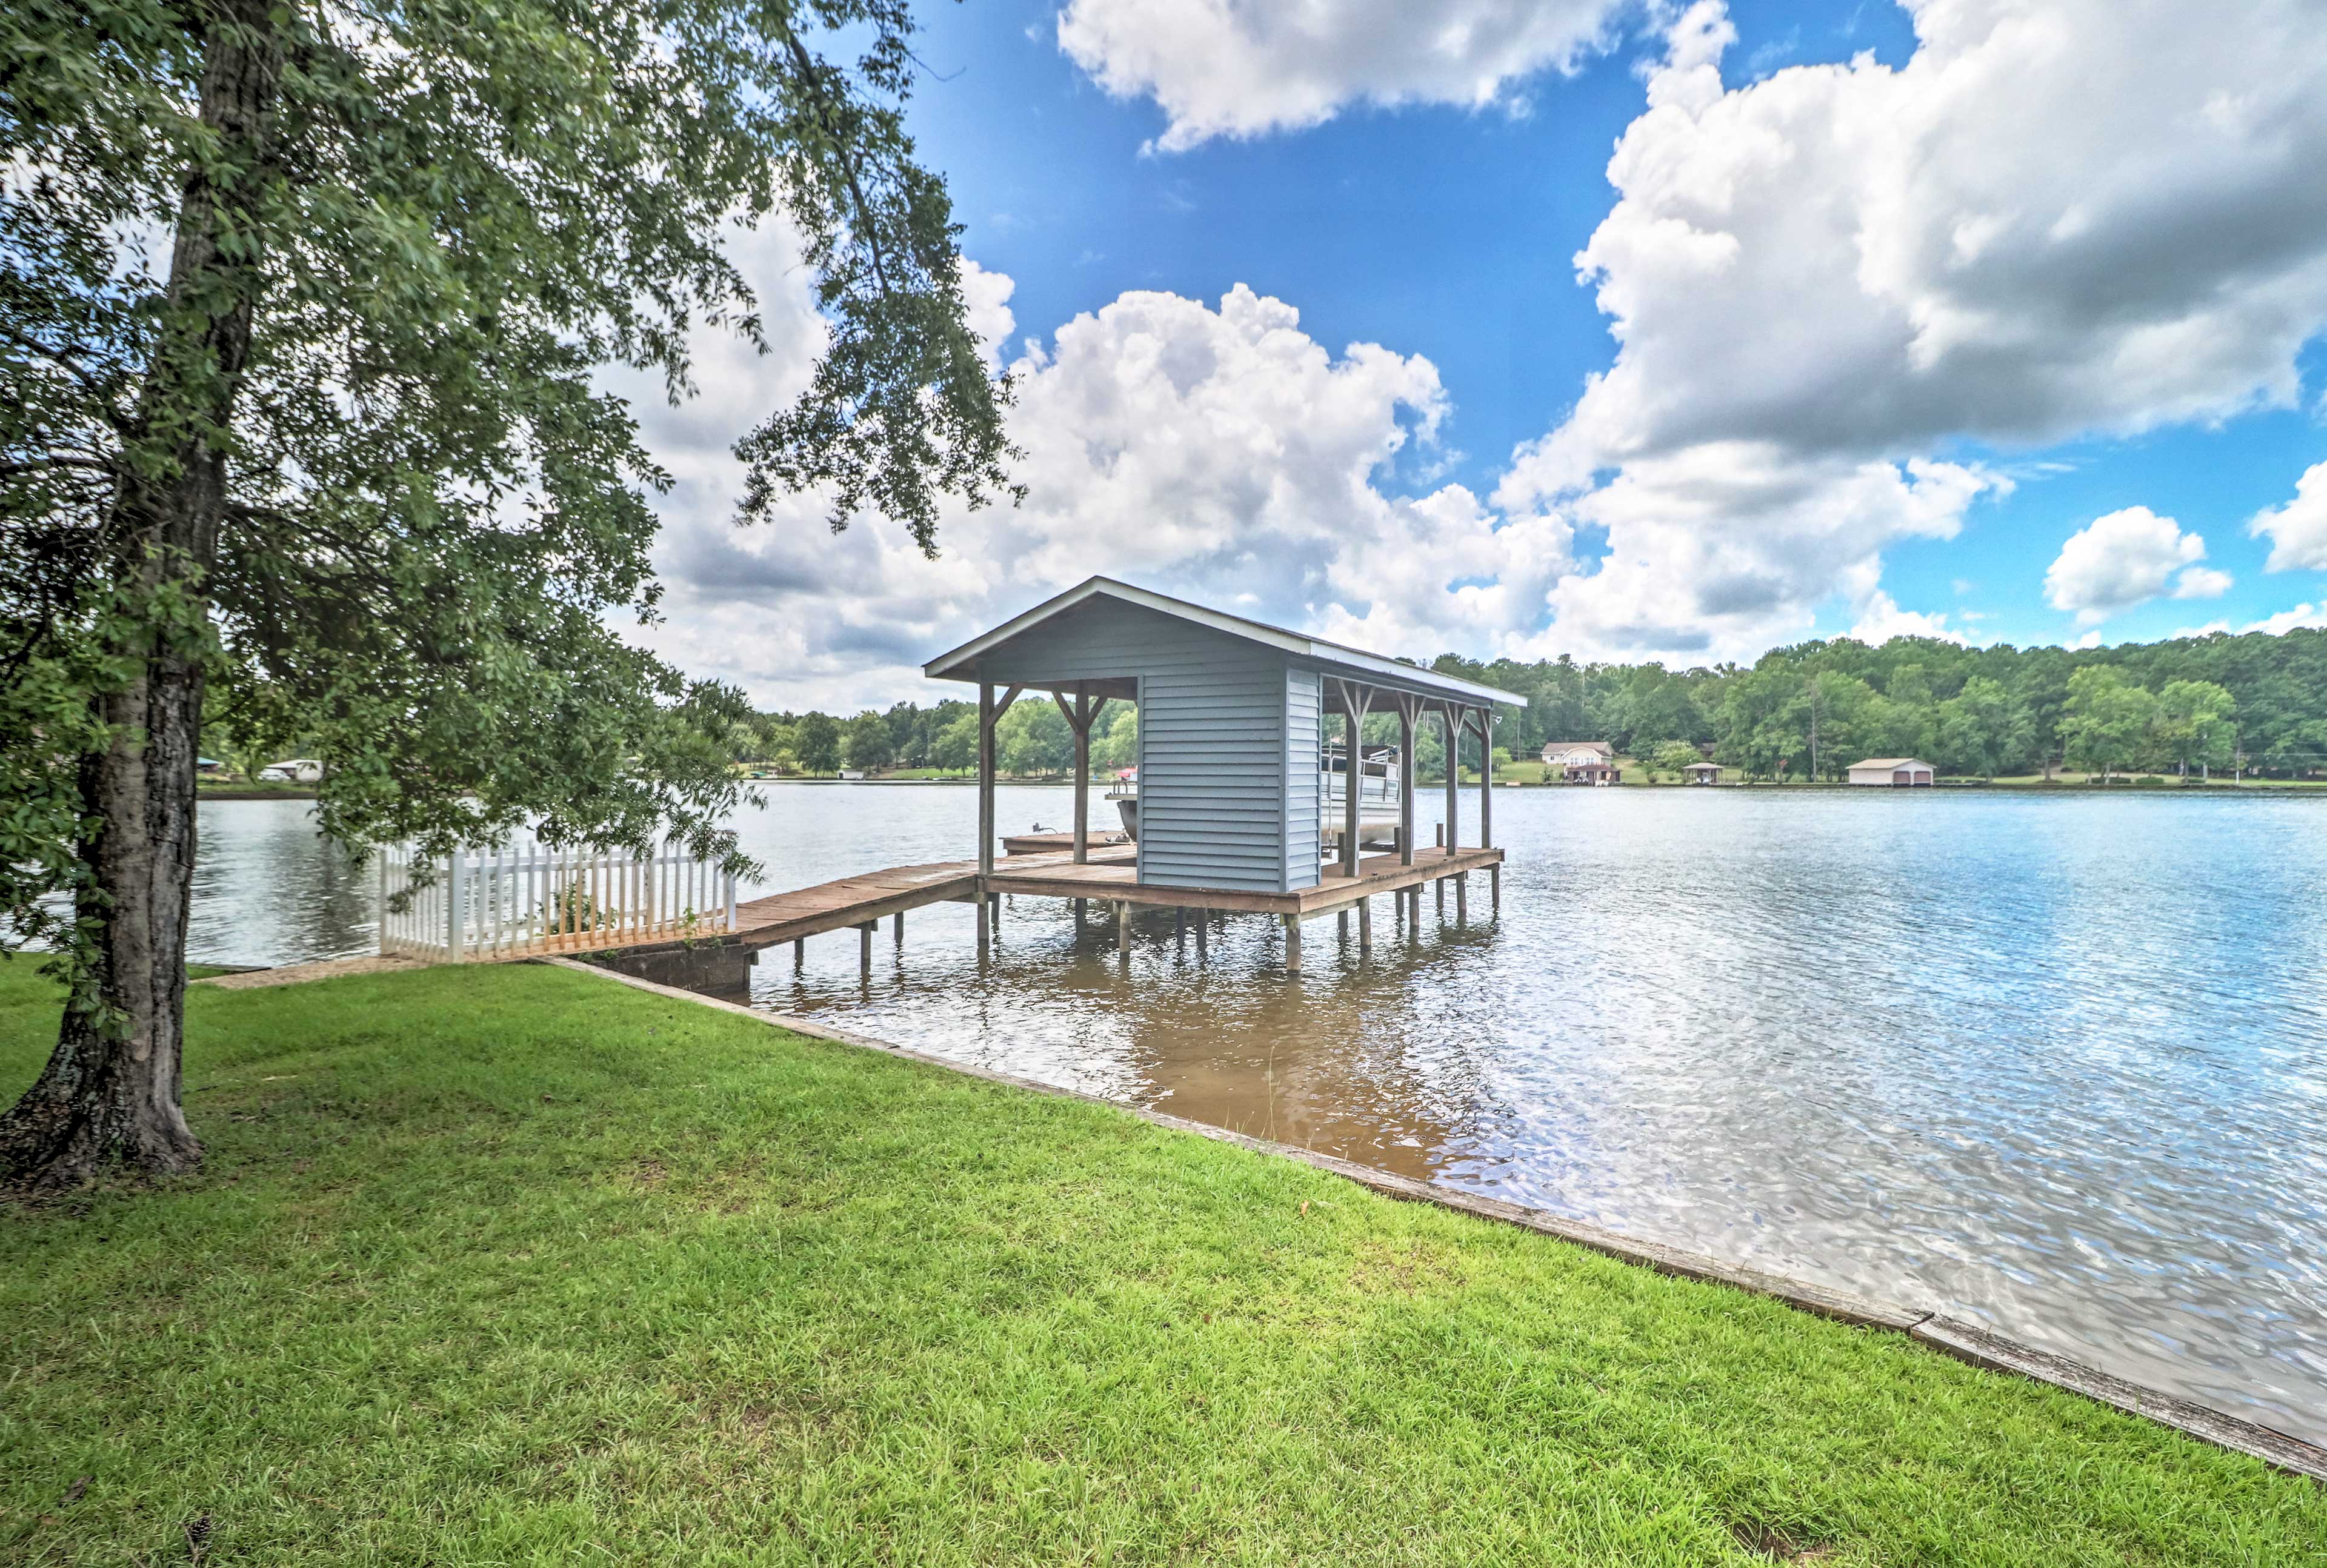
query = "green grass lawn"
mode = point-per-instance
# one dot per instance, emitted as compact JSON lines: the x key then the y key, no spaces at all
{"x":511,"y":1264}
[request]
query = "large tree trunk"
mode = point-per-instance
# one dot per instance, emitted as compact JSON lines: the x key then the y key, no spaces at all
{"x":109,"y":1098}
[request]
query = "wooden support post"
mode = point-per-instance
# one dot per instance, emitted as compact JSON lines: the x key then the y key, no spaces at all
{"x":1082,"y":778}
{"x":864,"y":949}
{"x":1451,"y":717}
{"x":800,"y":953}
{"x":1441,"y":885}
{"x":1462,"y":898}
{"x":1365,"y":927}
{"x":897,"y":925}
{"x":1122,"y":928}
{"x":1079,"y":912}
{"x":997,"y":913}
{"x":1079,"y":715}
{"x":1343,"y":923}
{"x":986,"y":720}
{"x":1204,"y":919}
{"x":1179,"y":925}
{"x":1354,"y":702}
{"x":1407,"y":707}
{"x":1292,"y":944}
{"x":1442,"y":835}
{"x":1495,"y":889}
{"x":1486,"y":778}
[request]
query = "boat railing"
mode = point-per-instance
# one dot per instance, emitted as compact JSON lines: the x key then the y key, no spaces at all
{"x":1376,"y":773}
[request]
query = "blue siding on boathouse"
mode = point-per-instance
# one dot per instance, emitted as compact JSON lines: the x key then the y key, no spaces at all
{"x":1228,"y":741}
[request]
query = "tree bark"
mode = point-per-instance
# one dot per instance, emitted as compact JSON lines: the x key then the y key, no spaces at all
{"x":109,"y":1098}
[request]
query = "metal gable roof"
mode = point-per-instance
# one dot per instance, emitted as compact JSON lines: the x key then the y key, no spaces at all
{"x":1385,"y":671}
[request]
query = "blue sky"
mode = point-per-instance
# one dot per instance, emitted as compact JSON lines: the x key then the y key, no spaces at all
{"x":2005,"y":328}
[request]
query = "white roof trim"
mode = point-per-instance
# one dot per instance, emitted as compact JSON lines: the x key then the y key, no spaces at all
{"x":1292,"y":642}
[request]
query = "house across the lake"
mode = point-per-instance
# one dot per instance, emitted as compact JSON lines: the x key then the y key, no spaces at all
{"x":1582,"y":761}
{"x":1892,"y":772}
{"x":1703,"y":772}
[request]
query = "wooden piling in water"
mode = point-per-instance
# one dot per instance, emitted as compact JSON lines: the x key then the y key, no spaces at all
{"x":1292,"y":944}
{"x":1365,"y":927}
{"x":1462,"y":899}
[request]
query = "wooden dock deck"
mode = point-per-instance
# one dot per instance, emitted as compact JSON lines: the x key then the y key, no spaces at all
{"x":1114,"y":882}
{"x":856,"y":901}
{"x":1109,"y":877}
{"x":1016,"y":844}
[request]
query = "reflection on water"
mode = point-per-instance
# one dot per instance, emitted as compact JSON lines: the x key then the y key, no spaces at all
{"x":267,"y":888}
{"x":2055,"y":1063}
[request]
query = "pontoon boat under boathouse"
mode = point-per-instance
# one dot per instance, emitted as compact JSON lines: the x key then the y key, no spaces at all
{"x":1239,"y":794}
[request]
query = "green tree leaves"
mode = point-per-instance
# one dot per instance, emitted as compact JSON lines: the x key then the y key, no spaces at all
{"x":302,"y":316}
{"x":2108,"y":720}
{"x":1984,"y":729}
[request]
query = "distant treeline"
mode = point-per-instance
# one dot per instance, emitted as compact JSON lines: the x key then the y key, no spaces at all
{"x":2255,"y":702}
{"x":1032,"y":738}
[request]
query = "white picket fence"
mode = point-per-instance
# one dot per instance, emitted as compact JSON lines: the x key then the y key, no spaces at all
{"x":522,"y":900}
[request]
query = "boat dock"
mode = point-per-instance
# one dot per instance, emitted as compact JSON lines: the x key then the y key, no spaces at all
{"x":1107,"y":878}
{"x":1242,"y":803}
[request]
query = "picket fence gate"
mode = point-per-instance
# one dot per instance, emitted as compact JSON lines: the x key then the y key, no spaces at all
{"x":520,"y":900}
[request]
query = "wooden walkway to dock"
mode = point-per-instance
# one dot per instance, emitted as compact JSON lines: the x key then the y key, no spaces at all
{"x":862,"y":900}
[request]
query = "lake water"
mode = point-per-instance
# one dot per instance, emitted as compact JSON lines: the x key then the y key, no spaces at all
{"x":2058,"y":1064}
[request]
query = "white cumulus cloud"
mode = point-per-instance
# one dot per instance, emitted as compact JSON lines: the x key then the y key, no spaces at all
{"x":2297,"y":619}
{"x":1824,"y":288}
{"x":1232,"y":68}
{"x":2073,"y":217}
{"x":2201,"y":583}
{"x":2297,"y":530}
{"x":1212,"y":450}
{"x":2127,"y":558}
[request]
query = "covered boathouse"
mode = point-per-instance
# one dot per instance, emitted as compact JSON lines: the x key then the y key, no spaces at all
{"x":1234,"y":788}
